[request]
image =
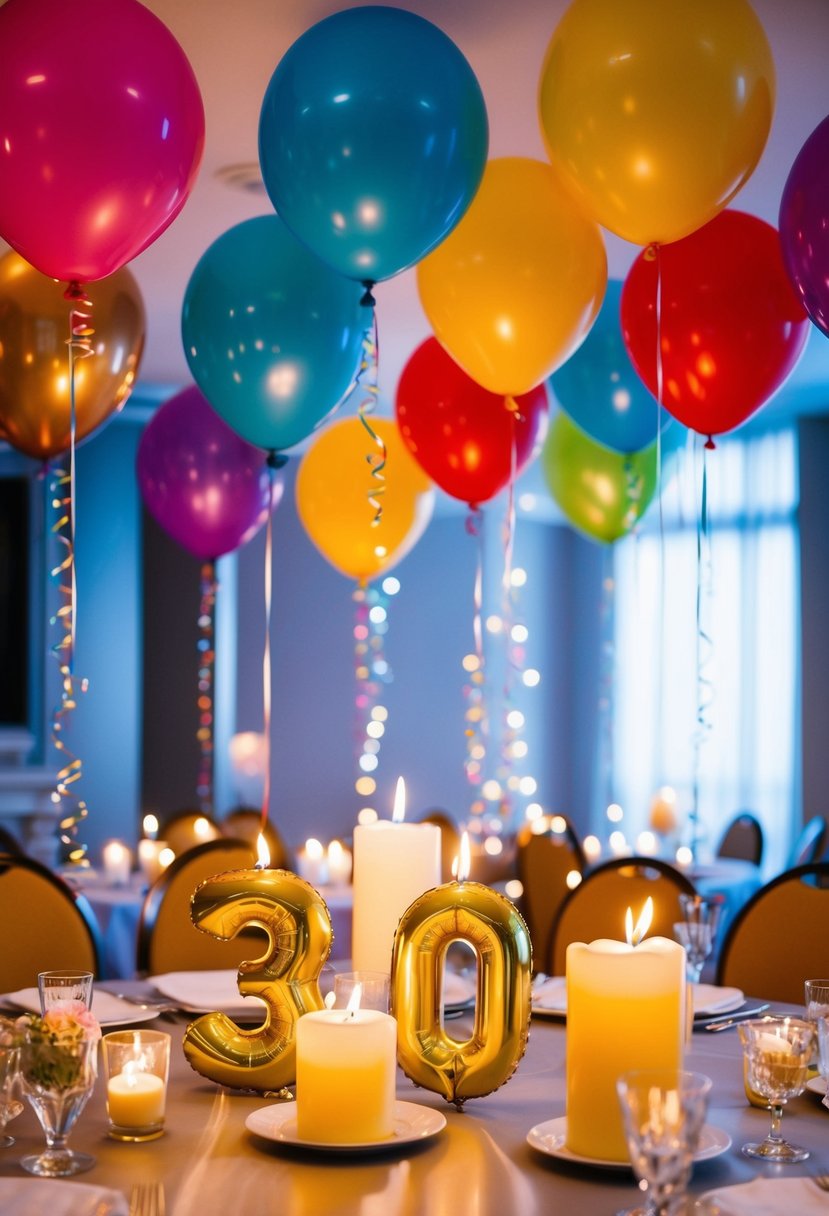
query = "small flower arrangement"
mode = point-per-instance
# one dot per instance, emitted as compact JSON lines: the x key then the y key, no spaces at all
{"x":51,"y":1054}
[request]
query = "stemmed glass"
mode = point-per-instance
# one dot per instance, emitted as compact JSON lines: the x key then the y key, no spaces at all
{"x":9,"y":1104}
{"x":823,"y":1052}
{"x":777,"y":1053}
{"x":697,"y":931}
{"x":663,"y":1111}
{"x":57,"y":1079}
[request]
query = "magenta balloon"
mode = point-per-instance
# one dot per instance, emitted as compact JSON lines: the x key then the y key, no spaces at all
{"x":804,"y":225}
{"x":101,"y":133}
{"x":206,"y":486}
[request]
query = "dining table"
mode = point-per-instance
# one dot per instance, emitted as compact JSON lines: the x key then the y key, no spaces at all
{"x":480,"y":1163}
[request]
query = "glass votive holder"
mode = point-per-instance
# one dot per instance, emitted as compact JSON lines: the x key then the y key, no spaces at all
{"x":64,"y":988}
{"x":136,"y":1067}
{"x":374,"y":989}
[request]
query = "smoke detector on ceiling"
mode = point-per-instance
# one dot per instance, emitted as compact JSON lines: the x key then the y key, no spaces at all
{"x":245,"y":176}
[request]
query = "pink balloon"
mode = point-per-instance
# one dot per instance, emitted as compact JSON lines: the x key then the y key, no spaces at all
{"x":207,"y":487}
{"x":101,"y":133}
{"x":804,"y":225}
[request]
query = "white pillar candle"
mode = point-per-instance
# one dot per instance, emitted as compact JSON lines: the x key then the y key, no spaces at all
{"x":625,"y":1010}
{"x":149,"y":857}
{"x":135,"y":1100}
{"x":339,"y":863}
{"x":311,"y":864}
{"x":117,"y":861}
{"x":345,"y":1076}
{"x":394,"y":863}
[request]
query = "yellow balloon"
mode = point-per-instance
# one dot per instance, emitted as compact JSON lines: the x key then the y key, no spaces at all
{"x":488,"y":922}
{"x":514,"y":289}
{"x":335,"y":490}
{"x":656,"y":114}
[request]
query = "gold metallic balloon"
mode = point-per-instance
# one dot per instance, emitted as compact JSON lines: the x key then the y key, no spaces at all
{"x":286,"y":977}
{"x":34,"y":356}
{"x":487,"y":921}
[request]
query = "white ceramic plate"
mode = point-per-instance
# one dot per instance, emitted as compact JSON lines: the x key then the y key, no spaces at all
{"x":550,"y":999}
{"x":411,"y":1123}
{"x":208,"y":991}
{"x":550,"y":1138}
{"x":109,"y":1009}
{"x":816,"y":1085}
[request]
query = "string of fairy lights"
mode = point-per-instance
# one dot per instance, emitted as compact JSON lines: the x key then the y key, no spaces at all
{"x":373,"y":673}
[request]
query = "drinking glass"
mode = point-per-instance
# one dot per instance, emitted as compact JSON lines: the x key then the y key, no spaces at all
{"x":663,"y":1111}
{"x":374,"y":989}
{"x":816,"y":999}
{"x":57,"y":1079}
{"x":64,"y":988}
{"x":777,"y":1053}
{"x":10,"y":1107}
{"x":697,"y":930}
{"x":823,"y":1052}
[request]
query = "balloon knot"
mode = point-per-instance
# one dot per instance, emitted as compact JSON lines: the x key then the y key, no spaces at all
{"x":710,"y":445}
{"x":276,"y":460}
{"x":368,"y":299}
{"x":650,"y":253}
{"x":75,"y":291}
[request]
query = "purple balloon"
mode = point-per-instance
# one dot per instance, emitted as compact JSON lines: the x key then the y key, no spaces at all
{"x":206,"y":486}
{"x":804,"y":225}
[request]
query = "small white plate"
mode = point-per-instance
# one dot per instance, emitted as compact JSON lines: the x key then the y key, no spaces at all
{"x":109,"y":1009}
{"x":816,"y":1085}
{"x":550,"y":999}
{"x":411,"y":1123}
{"x":550,"y":1138}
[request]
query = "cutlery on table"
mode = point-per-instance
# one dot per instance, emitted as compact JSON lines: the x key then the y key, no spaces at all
{"x":147,"y":1199}
{"x":727,"y":1020}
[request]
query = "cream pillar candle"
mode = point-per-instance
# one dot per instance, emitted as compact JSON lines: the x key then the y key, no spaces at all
{"x":345,"y":1076}
{"x":394,"y":863}
{"x":625,"y":1010}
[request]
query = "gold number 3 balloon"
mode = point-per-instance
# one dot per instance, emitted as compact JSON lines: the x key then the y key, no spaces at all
{"x":296,"y":920}
{"x":493,"y":927}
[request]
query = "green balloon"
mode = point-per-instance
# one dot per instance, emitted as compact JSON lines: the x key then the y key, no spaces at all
{"x":603,"y":493}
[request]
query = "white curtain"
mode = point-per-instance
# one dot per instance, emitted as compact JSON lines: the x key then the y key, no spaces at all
{"x":706,"y":700}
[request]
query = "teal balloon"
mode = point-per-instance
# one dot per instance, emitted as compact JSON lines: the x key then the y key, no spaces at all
{"x":272,"y":335}
{"x":601,"y":390}
{"x":373,"y":138}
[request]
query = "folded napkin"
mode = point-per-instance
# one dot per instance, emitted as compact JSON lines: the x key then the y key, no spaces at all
{"x":204,"y":991}
{"x":551,"y":996}
{"x":768,"y":1197}
{"x":34,"y":1196}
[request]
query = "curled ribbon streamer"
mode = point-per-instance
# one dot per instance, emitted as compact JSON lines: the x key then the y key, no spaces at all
{"x":63,"y":502}
{"x":206,"y":646}
{"x":704,"y":653}
{"x":369,"y":365}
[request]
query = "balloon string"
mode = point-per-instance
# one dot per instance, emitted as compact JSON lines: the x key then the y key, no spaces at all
{"x":607,"y":676}
{"x":206,"y":645}
{"x":660,"y":612}
{"x":63,"y":502}
{"x":266,"y":658}
{"x":476,"y":729}
{"x":704,"y":652}
{"x":635,"y":485}
{"x":508,"y":733}
{"x":376,"y":461}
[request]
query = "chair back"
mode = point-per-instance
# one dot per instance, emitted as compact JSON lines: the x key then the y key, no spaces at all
{"x":187,"y":829}
{"x":596,"y":908}
{"x":45,"y":924}
{"x":544,"y":860}
{"x":742,"y":838}
{"x":167,"y":938}
{"x":810,"y":843}
{"x":450,"y":839}
{"x":9,"y":843}
{"x":245,"y":823}
{"x":778,"y":939}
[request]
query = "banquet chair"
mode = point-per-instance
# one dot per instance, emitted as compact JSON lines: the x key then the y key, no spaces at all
{"x":245,"y":823}
{"x":45,"y":924}
{"x":544,"y":859}
{"x":450,"y":839}
{"x":810,"y":843}
{"x":187,"y":829}
{"x":9,"y":843}
{"x":167,"y":938}
{"x":743,"y":838}
{"x":778,"y":939}
{"x":597,"y":906}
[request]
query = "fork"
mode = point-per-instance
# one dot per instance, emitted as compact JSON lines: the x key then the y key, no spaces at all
{"x":821,"y":1180}
{"x":147,"y":1199}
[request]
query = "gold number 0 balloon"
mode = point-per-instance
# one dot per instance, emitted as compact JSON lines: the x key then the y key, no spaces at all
{"x":286,"y":977}
{"x":493,"y":927}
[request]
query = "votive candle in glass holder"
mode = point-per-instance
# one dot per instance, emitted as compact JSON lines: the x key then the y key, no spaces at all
{"x":136,"y":1067}
{"x":117,"y":860}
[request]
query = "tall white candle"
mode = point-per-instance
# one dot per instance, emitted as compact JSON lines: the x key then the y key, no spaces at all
{"x":394,"y":863}
{"x":117,"y":860}
{"x":346,"y":1065}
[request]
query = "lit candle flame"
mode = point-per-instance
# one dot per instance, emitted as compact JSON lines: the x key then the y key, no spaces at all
{"x":463,"y":862}
{"x":150,"y":826}
{"x":399,"y":810}
{"x":263,"y":853}
{"x":634,"y":934}
{"x":354,"y":1000}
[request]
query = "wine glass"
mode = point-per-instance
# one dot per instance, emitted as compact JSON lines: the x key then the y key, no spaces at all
{"x":697,"y":930}
{"x":10,"y":1107}
{"x":57,"y":1080}
{"x":663,"y":1111}
{"x":777,"y":1053}
{"x":823,"y":1052}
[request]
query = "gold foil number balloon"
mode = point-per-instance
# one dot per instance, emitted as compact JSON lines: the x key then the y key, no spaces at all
{"x":492,"y":926}
{"x":286,"y":977}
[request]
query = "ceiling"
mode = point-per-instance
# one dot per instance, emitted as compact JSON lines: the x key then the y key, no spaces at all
{"x":234,"y":48}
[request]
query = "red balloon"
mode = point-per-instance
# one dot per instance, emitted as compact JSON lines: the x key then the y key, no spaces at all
{"x":463,"y":435}
{"x":101,"y":133}
{"x":731,"y":327}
